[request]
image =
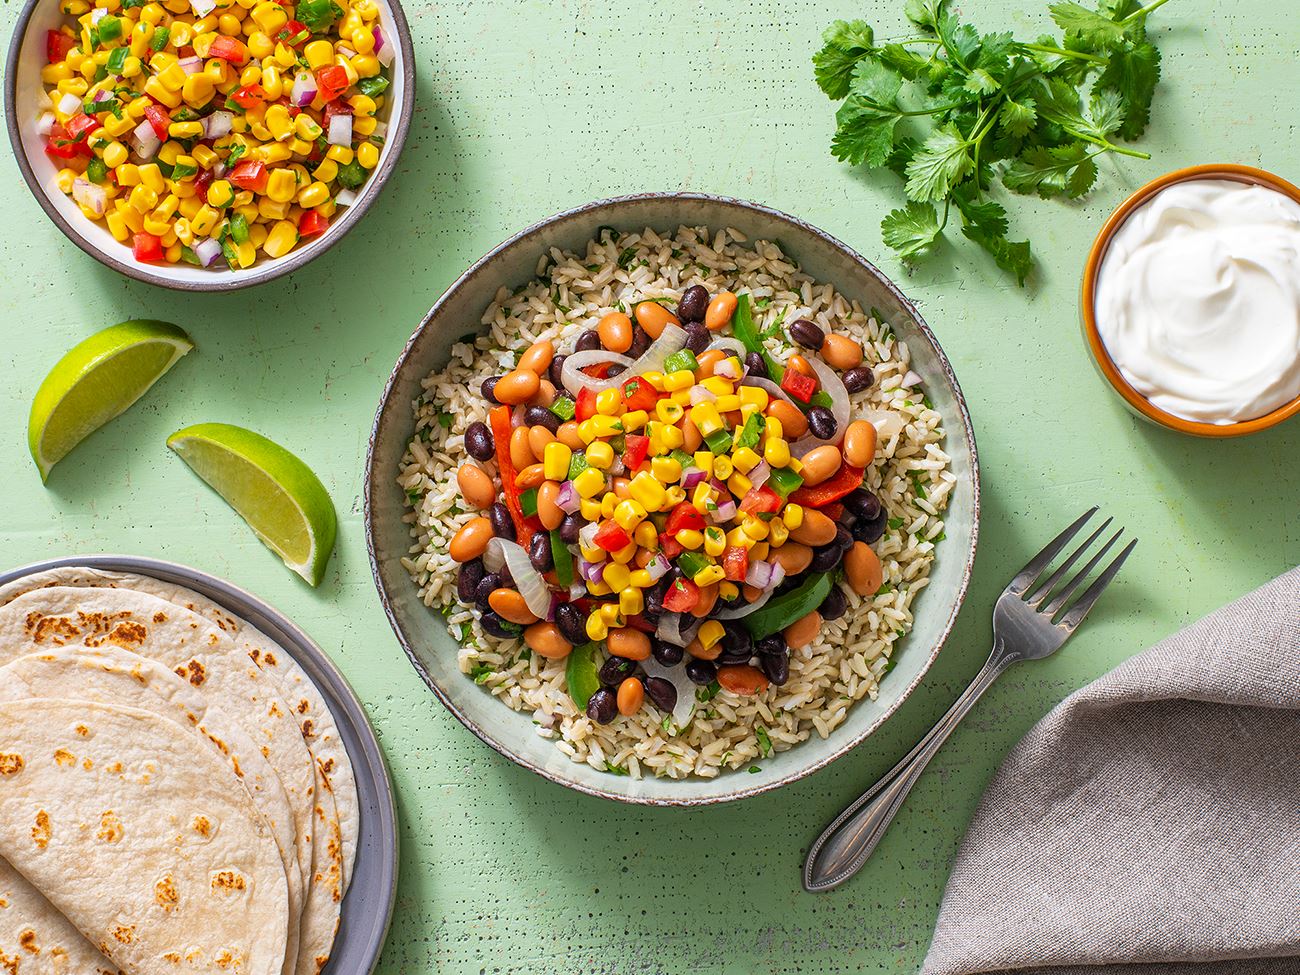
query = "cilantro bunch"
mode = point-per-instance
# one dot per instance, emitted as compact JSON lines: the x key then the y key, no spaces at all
{"x":951,"y":111}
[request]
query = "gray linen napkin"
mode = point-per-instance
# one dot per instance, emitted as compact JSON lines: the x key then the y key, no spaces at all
{"x":1150,"y":824}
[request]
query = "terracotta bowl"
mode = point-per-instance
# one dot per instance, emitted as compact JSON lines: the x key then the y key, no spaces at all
{"x":22,"y":110}
{"x":1138,"y":403}
{"x":423,"y":632}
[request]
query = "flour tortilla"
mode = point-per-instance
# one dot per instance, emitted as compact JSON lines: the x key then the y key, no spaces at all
{"x":35,"y":939}
{"x":309,"y":707}
{"x":141,"y":837}
{"x":189,"y":645}
{"x":113,"y":676}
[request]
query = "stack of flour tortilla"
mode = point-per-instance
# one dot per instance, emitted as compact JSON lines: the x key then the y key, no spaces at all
{"x":174,"y":793}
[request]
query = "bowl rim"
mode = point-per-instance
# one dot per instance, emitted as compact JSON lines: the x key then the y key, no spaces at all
{"x":1087,"y":298}
{"x":387,"y":403}
{"x":259,"y":274}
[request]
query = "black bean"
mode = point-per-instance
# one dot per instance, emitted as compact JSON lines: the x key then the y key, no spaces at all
{"x":661,"y":692}
{"x":731,"y":658}
{"x":471,"y":574}
{"x":496,"y":626}
{"x":572,"y":623}
{"x":654,"y":599}
{"x":503,"y":526}
{"x":869,"y":530}
{"x":776,"y":667}
{"x":835,"y":605}
{"x":485,"y":587}
{"x":617,"y":369}
{"x":615,"y":670}
{"x":487,"y":388}
{"x":697,"y":337}
{"x":640,"y":342}
{"x":808,"y":334}
{"x":756,"y":366}
{"x":555,"y":372}
{"x":736,"y":639}
{"x":507,"y":579}
{"x":588,"y":341}
{"x":773,"y":645}
{"x":540,"y":416}
{"x":668,"y":654}
{"x":569,"y":529}
{"x":826,"y":557}
{"x":701,"y":672}
{"x":603,"y":706}
{"x":861,"y":503}
{"x":858,"y":378}
{"x":843,"y":538}
{"x":478,"y":441}
{"x":694,"y":303}
{"x":539,"y":552}
{"x":821,"y":422}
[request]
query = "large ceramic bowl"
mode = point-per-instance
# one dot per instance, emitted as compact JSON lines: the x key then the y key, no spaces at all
{"x":23,"y":92}
{"x":423,"y":633}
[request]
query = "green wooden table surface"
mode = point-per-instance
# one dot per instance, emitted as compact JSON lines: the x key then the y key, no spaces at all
{"x":526,"y":108}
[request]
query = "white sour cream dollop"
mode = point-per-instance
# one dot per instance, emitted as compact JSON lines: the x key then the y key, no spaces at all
{"x":1198,"y":300}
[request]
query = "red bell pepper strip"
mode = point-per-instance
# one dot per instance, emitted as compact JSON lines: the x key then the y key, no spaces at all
{"x":80,"y":126}
{"x":639,"y":395}
{"x":682,"y":517}
{"x":147,"y":247}
{"x":500,"y":421}
{"x":848,"y":478}
{"x":60,"y":145}
{"x":635,"y":448}
{"x":252,"y":175}
{"x":611,"y":537}
{"x":761,"y":501}
{"x":682,"y":596}
{"x":294,"y":33}
{"x":311,"y":224}
{"x":585,"y":406}
{"x":158,"y":119}
{"x":57,"y":45}
{"x":232,"y":49}
{"x":799,"y":386}
{"x":735,"y":563}
{"x":331,"y":81}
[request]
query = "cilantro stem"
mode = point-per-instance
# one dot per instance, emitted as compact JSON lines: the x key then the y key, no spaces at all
{"x":1106,"y":144}
{"x":1063,"y":52}
{"x":1143,"y":12}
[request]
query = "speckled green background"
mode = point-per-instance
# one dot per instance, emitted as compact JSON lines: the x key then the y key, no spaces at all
{"x":526,"y":108}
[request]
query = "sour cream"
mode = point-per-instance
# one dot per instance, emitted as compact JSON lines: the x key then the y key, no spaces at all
{"x":1198,"y":300}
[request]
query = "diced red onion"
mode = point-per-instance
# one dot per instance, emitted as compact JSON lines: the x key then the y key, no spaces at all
{"x":146,"y":142}
{"x":691,"y":477}
{"x":90,"y":196}
{"x":701,"y":395}
{"x":727,"y":369}
{"x":202,"y":8}
{"x":591,"y":571}
{"x":657,"y":567}
{"x":69,"y":104}
{"x":345,"y":198}
{"x":193,"y":65}
{"x":379,"y":40}
{"x":587,"y":535}
{"x":672,"y":339}
{"x":45,"y":124}
{"x":384,"y":51}
{"x":304,"y":88}
{"x":725,"y":511}
{"x":759,"y":475}
{"x":759,"y":575}
{"x":346,"y":51}
{"x":340,"y":130}
{"x":217,"y":124}
{"x":207,"y":251}
{"x":567,"y":500}
{"x":528,"y":580}
{"x":102,"y":95}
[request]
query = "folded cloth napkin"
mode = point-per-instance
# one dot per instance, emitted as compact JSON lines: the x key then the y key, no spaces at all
{"x":1150,"y":824}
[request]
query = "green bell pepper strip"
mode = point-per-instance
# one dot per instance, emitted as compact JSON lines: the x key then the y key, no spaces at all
{"x":564,"y":408}
{"x":719,"y":441}
{"x":794,"y":605}
{"x":682,"y":359}
{"x":742,"y":326}
{"x":563,"y":560}
{"x":577,"y":464}
{"x":692,"y":564}
{"x":581,"y":674}
{"x":784,"y":481}
{"x":748,"y":435}
{"x":528,"y":502}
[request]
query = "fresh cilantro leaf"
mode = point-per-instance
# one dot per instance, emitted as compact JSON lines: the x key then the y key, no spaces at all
{"x":1106,"y":109}
{"x":1095,"y":28}
{"x":924,"y":13}
{"x":1018,"y":117}
{"x":863,"y":135}
{"x":980,"y":82}
{"x":1066,"y":170}
{"x":942,"y":161}
{"x":904,"y":60}
{"x":911,"y":231}
{"x":764,"y":741}
{"x":318,"y":15}
{"x":1133,"y":72}
{"x":988,"y":216}
{"x":844,"y":44}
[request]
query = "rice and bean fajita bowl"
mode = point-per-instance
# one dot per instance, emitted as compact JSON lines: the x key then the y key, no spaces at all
{"x":676,"y":502}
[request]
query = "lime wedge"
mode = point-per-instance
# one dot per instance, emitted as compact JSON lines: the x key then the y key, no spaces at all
{"x":97,"y":380}
{"x":284,"y":503}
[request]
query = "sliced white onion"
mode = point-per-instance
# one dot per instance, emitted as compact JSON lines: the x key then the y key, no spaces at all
{"x":679,"y":629}
{"x":381,"y":130}
{"x":92,"y":197}
{"x":676,"y":676}
{"x":731,"y":344}
{"x":217,"y":124}
{"x":888,"y":423}
{"x":340,"y":130}
{"x":671,"y":340}
{"x":345,"y":198}
{"x":528,"y":580}
{"x":657,"y":567}
{"x":69,"y":104}
{"x":346,"y":51}
{"x":738,"y":612}
{"x":587,"y":534}
{"x":207,"y":251}
{"x":834,"y":387}
{"x":45,"y":124}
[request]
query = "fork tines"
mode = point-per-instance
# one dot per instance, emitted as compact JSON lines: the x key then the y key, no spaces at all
{"x":1051,"y":595}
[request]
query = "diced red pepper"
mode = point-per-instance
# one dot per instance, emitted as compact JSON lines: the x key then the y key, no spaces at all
{"x":230,"y":49}
{"x":682,"y":517}
{"x":611,"y":537}
{"x":735,"y":563}
{"x":249,"y":96}
{"x":201,"y":183}
{"x":834,"y":511}
{"x":639,"y":395}
{"x":332,"y":109}
{"x":798,"y":385}
{"x":670,"y":547}
{"x":499,"y":419}
{"x":311,"y":224}
{"x":147,"y":247}
{"x":682,"y":596}
{"x":585,"y":407}
{"x":60,"y":145}
{"x":331,"y":82}
{"x":294,"y":33}
{"x":57,"y":45}
{"x":158,"y":119}
{"x":80,"y":126}
{"x":760,"y":501}
{"x":634,"y":450}
{"x":251,"y":175}
{"x":843,"y":481}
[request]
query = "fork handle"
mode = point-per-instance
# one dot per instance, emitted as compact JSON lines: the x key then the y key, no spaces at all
{"x":845,"y":844}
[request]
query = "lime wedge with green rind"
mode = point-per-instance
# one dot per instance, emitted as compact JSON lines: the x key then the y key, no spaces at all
{"x":284,"y":503}
{"x":97,"y":380}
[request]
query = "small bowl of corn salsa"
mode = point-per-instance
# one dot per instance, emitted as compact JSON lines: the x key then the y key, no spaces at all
{"x":208,"y":145}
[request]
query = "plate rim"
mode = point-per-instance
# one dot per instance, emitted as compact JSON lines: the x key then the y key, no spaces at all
{"x":223,"y":592}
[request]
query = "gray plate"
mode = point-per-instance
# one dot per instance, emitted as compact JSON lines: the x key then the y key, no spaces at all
{"x":368,"y":905}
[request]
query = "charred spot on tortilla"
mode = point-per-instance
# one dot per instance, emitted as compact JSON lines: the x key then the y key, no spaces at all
{"x":64,"y":757}
{"x":128,"y":635}
{"x":27,"y":940}
{"x":203,"y":826}
{"x":194,"y":672}
{"x":10,"y":763}
{"x":227,"y":881}
{"x":9,"y":963}
{"x":41,"y":832}
{"x":160,"y":617}
{"x":110,"y":827}
{"x":124,"y":933}
{"x":165,"y":893}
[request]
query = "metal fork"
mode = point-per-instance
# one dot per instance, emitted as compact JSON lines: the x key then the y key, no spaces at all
{"x":1030,"y":621}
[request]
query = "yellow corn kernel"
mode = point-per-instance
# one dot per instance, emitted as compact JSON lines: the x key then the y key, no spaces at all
{"x":702,"y":496}
{"x":368,"y":157}
{"x":364,"y":66}
{"x":306,"y":128}
{"x":260,"y":45}
{"x":728,"y":403}
{"x":777,"y":533}
{"x":142,"y":199}
{"x":598,"y":589}
{"x":198,"y":90}
{"x":754,"y":527}
{"x":625,"y":554}
{"x":362,"y":105}
{"x":717,"y":386}
{"x":608,"y":401}
{"x":52,"y":74}
{"x":172,"y":77}
{"x":245,"y":254}
{"x":281,"y":185}
{"x":167,"y":208}
{"x":153,"y":225}
{"x":722,"y":467}
{"x":136,"y":106}
{"x":117,"y":127}
{"x":589,"y":483}
{"x":715,"y":541}
{"x":710,"y":633}
{"x":727,"y":591}
{"x":205,"y":156}
{"x":281,"y":239}
{"x":184,"y":232}
{"x":672,"y":437}
{"x":272,"y":152}
{"x":760,"y":549}
{"x":269,"y":16}
{"x":362,"y":40}
{"x":555,"y":458}
{"x":647,"y":490}
{"x":607,"y":504}
{"x":641,"y":579}
{"x":634,"y":420}
{"x":364,"y":125}
{"x":666,"y":469}
{"x":205,"y":221}
{"x":680,"y":379}
{"x":184,"y":130}
{"x":313,"y":196}
{"x":754,"y":396}
{"x":65,"y":179}
{"x":340,"y":154}
{"x":668,"y":411}
{"x":590,"y":510}
{"x":605,"y":426}
{"x":709,"y":575}
{"x":610,"y":613}
{"x":703,"y":459}
{"x":646,"y":535}
{"x":172,"y":251}
{"x":616,"y":576}
{"x":284,"y":56}
{"x":776,"y":451}
{"x":738,"y":539}
{"x":706,"y":419}
{"x":600,"y":455}
{"x":674,"y":496}
{"x":655,"y":379}
{"x":221,"y":193}
{"x":152,"y":177}
{"x":272,"y":209}
{"x":169,"y":152}
{"x":630,"y":602}
{"x":792,"y":515}
{"x":739,"y":485}
{"x":744,"y":460}
{"x":257,"y":235}
{"x":690,"y":538}
{"x":327,"y":170}
{"x":596,"y":627}
{"x":115,"y":154}
{"x":795,"y":464}
{"x":629,"y":514}
{"x":319,"y":54}
{"x":346,"y":65}
{"x":278,"y":123}
{"x":116,"y":225}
